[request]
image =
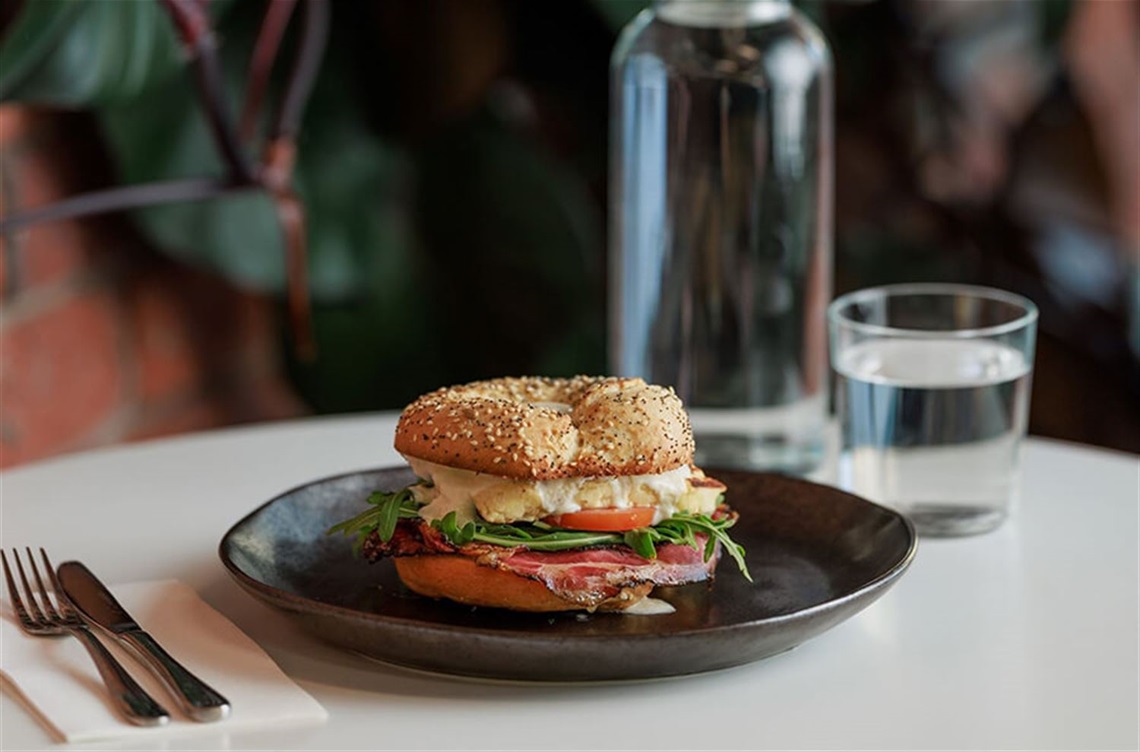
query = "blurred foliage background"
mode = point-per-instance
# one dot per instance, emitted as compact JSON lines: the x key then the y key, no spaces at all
{"x":453,"y":162}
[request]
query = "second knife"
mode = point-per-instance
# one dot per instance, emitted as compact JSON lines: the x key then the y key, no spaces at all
{"x":96,"y":604}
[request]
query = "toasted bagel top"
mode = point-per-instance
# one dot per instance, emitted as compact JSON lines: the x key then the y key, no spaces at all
{"x":544,"y":428}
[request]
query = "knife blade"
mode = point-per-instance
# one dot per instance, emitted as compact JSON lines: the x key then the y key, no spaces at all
{"x":96,"y":604}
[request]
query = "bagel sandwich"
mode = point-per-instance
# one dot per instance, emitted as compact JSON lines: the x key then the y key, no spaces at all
{"x":545,"y":494}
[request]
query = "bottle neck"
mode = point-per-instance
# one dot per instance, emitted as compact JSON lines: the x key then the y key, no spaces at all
{"x":722,"y":13}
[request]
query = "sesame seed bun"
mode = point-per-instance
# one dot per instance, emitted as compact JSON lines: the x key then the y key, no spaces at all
{"x":543,"y":428}
{"x":461,"y":579}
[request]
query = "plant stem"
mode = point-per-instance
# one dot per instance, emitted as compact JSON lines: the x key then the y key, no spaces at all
{"x":277,"y":173}
{"x":314,"y":35}
{"x":125,"y":197}
{"x":193,"y":25}
{"x":291,"y":215}
{"x":277,"y":14}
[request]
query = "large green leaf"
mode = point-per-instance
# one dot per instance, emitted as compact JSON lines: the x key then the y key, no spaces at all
{"x":479,"y":229}
{"x":78,"y":53}
{"x":371,"y":313}
{"x":163,"y":135}
{"x":346,"y":176}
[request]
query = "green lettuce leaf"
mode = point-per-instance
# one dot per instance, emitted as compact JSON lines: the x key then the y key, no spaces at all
{"x":387,"y":508}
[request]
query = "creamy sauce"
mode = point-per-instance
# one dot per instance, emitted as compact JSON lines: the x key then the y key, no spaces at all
{"x":650,"y":607}
{"x":454,"y":490}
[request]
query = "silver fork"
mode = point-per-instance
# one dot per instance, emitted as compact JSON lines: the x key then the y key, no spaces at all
{"x":41,"y":619}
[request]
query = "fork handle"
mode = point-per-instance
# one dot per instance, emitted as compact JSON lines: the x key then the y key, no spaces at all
{"x":196,"y":698}
{"x":129,"y":698}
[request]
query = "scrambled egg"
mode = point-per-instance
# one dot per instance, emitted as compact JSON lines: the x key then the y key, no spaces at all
{"x":504,"y":500}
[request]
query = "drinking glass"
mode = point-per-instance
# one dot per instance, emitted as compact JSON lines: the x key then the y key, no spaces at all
{"x":932,"y":393}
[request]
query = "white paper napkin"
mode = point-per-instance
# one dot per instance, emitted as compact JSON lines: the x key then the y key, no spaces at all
{"x":58,"y":678}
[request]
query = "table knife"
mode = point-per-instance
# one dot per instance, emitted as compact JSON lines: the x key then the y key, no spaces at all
{"x":96,"y":604}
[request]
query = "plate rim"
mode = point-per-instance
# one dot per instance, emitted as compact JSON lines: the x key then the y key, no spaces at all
{"x":282,"y":596}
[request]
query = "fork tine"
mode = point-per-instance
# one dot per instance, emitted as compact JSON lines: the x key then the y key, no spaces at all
{"x":13,"y":593}
{"x":49,"y":609}
{"x":61,"y":599}
{"x":32,"y":605}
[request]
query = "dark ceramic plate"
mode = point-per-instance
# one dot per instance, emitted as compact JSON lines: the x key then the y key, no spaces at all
{"x":818,"y":556}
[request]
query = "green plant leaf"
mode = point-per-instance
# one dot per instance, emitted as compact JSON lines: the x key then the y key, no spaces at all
{"x":359,"y":229}
{"x":383,"y":512}
{"x":79,"y":53}
{"x":30,"y":40}
{"x":459,"y":536}
{"x":389,"y":516}
{"x":641,"y":541}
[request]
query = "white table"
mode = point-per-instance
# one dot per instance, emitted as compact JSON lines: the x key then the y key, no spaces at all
{"x":1025,"y":638}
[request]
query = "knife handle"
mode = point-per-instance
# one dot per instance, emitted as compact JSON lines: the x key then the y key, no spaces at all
{"x":196,"y":698}
{"x":129,"y":698}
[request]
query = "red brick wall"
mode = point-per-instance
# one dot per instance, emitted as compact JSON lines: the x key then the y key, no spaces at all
{"x":102,"y":339}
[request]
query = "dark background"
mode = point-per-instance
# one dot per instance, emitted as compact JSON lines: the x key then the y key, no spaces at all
{"x":453,"y":162}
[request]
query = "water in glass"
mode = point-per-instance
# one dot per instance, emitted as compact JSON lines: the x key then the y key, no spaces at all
{"x":933,"y":427}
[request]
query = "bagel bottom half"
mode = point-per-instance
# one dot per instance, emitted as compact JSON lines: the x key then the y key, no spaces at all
{"x":460,"y":579}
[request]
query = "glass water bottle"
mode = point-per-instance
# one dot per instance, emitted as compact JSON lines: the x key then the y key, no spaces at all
{"x":721,"y":172}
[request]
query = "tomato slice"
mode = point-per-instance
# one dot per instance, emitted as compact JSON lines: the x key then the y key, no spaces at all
{"x":604,"y":520}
